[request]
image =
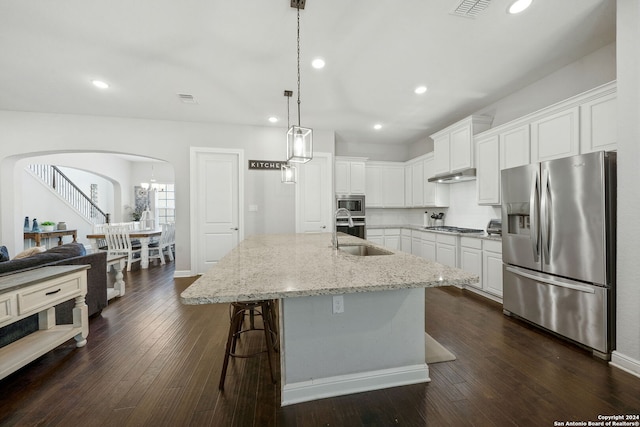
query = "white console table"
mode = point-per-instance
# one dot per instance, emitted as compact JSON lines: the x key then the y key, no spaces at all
{"x":38,"y":291}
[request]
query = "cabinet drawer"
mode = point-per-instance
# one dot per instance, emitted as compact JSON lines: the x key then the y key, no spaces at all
{"x":493,"y":246}
{"x":34,"y":298}
{"x":447,"y":239}
{"x":7,"y":308}
{"x":373,"y":232}
{"x":425,"y":235}
{"x":406,"y":232}
{"x":392,"y":232}
{"x":470,"y":242}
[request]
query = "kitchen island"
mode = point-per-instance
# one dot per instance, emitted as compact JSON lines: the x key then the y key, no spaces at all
{"x":377,"y":341}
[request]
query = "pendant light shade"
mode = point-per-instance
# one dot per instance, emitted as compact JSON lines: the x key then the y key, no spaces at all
{"x":299,"y":139}
{"x":299,"y":144}
{"x":289,"y":174}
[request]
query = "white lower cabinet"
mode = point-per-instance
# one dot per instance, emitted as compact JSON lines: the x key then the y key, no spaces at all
{"x":376,"y":235}
{"x":405,"y":240}
{"x":389,"y":237}
{"x":429,"y":246}
{"x":492,"y":267}
{"x":484,"y":259}
{"x":471,"y":258}
{"x":446,"y":249}
{"x":392,"y":239}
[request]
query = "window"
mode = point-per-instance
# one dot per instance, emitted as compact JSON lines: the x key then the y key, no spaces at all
{"x":166,"y":206}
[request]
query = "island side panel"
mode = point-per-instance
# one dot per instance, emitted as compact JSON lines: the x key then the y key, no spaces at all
{"x":378,"y":342}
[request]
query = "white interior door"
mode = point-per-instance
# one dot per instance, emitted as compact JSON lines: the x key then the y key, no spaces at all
{"x":314,"y":195}
{"x":217,"y":207}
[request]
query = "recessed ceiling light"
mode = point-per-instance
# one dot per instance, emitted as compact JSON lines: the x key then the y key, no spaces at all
{"x":420,"y":90}
{"x":273,"y":119}
{"x":100,"y":84}
{"x":318,"y":63}
{"x":377,"y":126}
{"x":519,"y":6}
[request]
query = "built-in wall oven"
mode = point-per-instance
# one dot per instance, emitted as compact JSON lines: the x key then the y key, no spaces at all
{"x":355,"y":205}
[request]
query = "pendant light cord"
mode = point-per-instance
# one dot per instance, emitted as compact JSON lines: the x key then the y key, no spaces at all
{"x":298,"y":8}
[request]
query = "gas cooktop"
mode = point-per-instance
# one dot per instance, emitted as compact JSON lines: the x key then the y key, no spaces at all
{"x":450,"y":229}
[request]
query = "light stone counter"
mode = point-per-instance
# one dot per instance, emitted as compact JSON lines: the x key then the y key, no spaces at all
{"x":347,"y":323}
{"x":299,"y":265}
{"x":483,"y":236}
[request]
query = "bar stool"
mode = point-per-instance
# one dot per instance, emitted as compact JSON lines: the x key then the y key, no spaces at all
{"x":263,"y":308}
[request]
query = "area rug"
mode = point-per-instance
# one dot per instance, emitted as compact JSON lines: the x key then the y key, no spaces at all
{"x":435,"y":352}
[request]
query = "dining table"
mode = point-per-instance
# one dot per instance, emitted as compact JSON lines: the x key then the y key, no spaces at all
{"x":143,"y":236}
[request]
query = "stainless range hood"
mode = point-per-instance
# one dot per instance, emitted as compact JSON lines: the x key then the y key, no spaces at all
{"x":453,"y":177}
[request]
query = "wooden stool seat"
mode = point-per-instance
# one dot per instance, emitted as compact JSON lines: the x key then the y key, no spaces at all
{"x":263,"y":308}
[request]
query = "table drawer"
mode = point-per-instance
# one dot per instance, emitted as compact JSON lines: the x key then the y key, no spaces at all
{"x":33,"y":298}
{"x":7,"y":308}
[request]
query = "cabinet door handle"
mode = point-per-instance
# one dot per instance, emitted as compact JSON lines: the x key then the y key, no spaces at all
{"x":53,"y":292}
{"x":234,"y":228}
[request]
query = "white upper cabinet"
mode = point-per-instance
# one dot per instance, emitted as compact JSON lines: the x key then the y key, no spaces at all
{"x":556,"y":135}
{"x":598,"y":124}
{"x":515,"y":147}
{"x":418,"y":191}
{"x":350,"y":176}
{"x":441,"y":144}
{"x":384,"y":185}
{"x":488,"y":170}
{"x":417,"y":180}
{"x":453,"y":146}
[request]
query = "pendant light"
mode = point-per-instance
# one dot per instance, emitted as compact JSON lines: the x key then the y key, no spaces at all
{"x":154,"y":184}
{"x":299,"y":139}
{"x":289,"y":173}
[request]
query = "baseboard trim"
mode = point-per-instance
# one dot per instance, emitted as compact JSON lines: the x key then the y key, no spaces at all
{"x":183,"y":273}
{"x":625,"y":363}
{"x":354,"y":383}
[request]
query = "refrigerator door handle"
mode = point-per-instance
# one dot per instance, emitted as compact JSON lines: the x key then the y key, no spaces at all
{"x":563,"y":283}
{"x":545,"y":210}
{"x":534,"y":234}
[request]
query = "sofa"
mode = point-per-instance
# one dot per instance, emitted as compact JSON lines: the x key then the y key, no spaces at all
{"x":67,"y":254}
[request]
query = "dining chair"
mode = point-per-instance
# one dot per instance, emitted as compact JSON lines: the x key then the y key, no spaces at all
{"x":119,"y":243}
{"x":164,"y":245}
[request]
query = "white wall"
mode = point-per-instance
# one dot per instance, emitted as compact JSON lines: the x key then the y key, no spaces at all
{"x":163,"y":140}
{"x":593,"y":70}
{"x":83,"y":180}
{"x":464,"y":210}
{"x":627,"y":354}
{"x":389,"y":152}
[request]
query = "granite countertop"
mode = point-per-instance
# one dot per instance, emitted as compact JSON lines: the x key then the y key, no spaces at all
{"x":483,"y":236}
{"x":296,"y":265}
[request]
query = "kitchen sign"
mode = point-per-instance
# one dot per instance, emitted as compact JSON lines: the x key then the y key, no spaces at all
{"x":266,"y":164}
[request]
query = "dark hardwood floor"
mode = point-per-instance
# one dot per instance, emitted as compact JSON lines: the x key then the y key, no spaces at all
{"x":151,"y":361}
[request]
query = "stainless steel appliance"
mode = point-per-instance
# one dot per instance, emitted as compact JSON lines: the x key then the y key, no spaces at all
{"x":355,"y":205}
{"x":494,"y":227}
{"x":359,"y":228}
{"x":558,"y":246}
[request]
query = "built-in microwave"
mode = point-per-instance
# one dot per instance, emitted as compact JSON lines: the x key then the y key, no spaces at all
{"x":353,"y":203}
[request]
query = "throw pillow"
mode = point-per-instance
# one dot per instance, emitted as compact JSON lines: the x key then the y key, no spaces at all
{"x":4,"y":254}
{"x":31,"y":251}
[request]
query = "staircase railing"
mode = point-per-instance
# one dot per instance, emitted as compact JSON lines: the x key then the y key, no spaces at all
{"x":61,"y":184}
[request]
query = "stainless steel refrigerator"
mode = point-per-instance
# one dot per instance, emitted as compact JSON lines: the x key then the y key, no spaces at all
{"x":558,"y":246}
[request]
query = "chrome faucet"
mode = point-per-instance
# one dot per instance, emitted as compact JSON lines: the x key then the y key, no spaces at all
{"x":335,"y":228}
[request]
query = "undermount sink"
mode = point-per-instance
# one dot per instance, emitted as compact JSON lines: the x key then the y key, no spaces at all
{"x":363,"y":250}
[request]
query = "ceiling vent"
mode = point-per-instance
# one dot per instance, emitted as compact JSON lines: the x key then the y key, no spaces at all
{"x":186,"y":98}
{"x":470,"y":8}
